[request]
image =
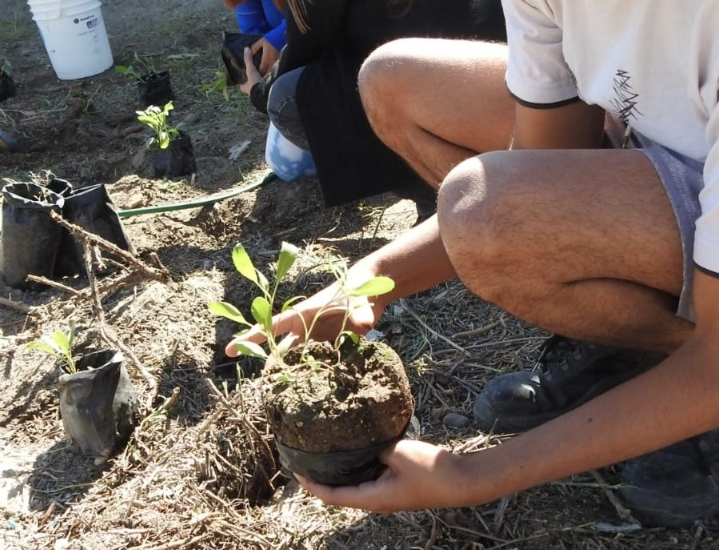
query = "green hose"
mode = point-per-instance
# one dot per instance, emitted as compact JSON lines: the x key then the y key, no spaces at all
{"x":196,"y":203}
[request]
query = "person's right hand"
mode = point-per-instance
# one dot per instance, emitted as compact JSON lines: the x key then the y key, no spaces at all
{"x":324,"y":312}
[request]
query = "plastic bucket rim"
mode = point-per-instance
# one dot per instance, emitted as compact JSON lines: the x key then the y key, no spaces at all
{"x":57,"y":10}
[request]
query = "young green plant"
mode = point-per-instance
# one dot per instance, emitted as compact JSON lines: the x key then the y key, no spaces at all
{"x":59,"y":345}
{"x":157,"y":119}
{"x":145,"y":64}
{"x":263,"y":305}
{"x":217,"y":85}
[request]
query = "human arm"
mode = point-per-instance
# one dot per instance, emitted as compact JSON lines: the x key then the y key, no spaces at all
{"x":669,"y":403}
{"x":415,"y":262}
{"x":574,"y":125}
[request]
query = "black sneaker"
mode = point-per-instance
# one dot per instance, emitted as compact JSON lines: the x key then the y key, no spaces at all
{"x":676,"y":486}
{"x":567,"y":374}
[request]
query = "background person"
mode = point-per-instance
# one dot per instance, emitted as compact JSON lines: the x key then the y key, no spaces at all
{"x":265,"y":17}
{"x":312,"y":94}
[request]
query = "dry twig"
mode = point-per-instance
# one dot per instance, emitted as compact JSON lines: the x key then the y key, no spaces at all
{"x":91,"y":239}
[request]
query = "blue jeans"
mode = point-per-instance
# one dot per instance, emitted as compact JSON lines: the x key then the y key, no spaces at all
{"x":283,"y":111}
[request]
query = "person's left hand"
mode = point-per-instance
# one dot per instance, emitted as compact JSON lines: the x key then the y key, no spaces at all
{"x":269,"y":55}
{"x":418,"y":476}
{"x":253,"y":74}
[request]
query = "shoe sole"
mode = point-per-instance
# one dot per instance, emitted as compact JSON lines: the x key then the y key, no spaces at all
{"x":652,"y":509}
{"x":488,"y":419}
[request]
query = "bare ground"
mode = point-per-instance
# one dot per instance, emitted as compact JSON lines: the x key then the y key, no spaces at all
{"x":190,"y":475}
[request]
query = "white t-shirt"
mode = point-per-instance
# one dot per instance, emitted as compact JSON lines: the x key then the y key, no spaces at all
{"x":653,"y":63}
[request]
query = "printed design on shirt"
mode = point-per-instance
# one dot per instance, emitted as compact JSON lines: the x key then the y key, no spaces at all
{"x":625,"y":98}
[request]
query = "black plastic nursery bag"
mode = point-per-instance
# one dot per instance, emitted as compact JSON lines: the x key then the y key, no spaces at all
{"x":233,"y":55}
{"x":30,"y":237}
{"x":98,"y":403}
{"x":91,"y":208}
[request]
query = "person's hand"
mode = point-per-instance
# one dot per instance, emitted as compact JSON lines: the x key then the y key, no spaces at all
{"x":325,"y":312}
{"x":269,"y":55}
{"x":232,"y":4}
{"x":253,"y":74}
{"x":418,"y":476}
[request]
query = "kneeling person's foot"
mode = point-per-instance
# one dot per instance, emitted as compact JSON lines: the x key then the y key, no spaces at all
{"x":567,"y":374}
{"x":675,"y":486}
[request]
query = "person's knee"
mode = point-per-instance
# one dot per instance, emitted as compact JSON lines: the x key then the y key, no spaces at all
{"x":381,"y":75}
{"x":480,"y":219}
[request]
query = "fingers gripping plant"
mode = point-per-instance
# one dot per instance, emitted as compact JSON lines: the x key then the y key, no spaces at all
{"x":262,"y":306}
{"x":157,"y":119}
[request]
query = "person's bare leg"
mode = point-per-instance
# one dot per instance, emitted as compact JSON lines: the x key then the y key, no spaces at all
{"x":404,"y":86}
{"x":582,"y":243}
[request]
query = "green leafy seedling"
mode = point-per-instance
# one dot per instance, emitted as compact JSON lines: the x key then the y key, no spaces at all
{"x":262,"y":307}
{"x":217,"y":85}
{"x":145,"y":64}
{"x":59,"y":345}
{"x":157,"y":119}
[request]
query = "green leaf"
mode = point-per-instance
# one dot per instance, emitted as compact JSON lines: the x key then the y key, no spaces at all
{"x":250,"y":349}
{"x":262,"y":311}
{"x":348,"y":334}
{"x":289,"y":303}
{"x":62,"y":341}
{"x":43,"y":346}
{"x":263,"y":283}
{"x":228,"y":311}
{"x":373,"y":287}
{"x":282,"y":378}
{"x":288,"y":255}
{"x":163,"y":138}
{"x":243,"y":263}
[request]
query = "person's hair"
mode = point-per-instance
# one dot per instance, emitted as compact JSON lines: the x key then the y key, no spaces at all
{"x":298,"y":10}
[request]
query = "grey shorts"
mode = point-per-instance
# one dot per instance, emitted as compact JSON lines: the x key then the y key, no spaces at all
{"x":683,"y":179}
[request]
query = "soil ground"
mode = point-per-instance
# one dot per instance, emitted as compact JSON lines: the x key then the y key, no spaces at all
{"x":188,"y":478}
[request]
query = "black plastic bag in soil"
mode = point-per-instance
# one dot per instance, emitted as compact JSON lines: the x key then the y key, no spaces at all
{"x":91,"y":208}
{"x":30,"y":237}
{"x":177,"y":160}
{"x":155,"y":89}
{"x":233,"y":55}
{"x":98,"y":404}
{"x":7,"y":86}
{"x":343,"y":467}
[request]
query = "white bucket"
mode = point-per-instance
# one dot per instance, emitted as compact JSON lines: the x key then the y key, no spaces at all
{"x":74,"y":35}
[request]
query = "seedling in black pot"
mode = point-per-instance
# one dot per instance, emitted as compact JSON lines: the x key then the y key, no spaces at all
{"x":172,"y":152}
{"x":154,"y":88}
{"x":333,"y":406}
{"x":97,"y":401}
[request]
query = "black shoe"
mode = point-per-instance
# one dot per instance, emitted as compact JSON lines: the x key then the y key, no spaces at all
{"x":675,"y":486}
{"x":567,"y":374}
